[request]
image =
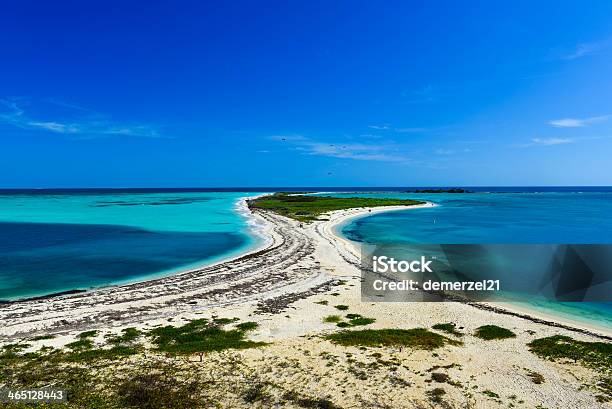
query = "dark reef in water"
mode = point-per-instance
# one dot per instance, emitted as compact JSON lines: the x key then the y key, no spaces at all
{"x":453,"y":190}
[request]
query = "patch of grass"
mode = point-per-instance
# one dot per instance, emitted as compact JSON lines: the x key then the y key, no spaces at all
{"x":255,"y":393}
{"x":596,"y":355}
{"x":449,"y":328}
{"x":306,"y":208}
{"x":535,"y":377}
{"x":88,"y":334}
{"x":199,"y":336}
{"x":440,"y":377}
{"x":341,"y":307}
{"x":332,"y":319}
{"x":224,"y":321}
{"x":14,"y":348}
{"x":435,"y":395}
{"x":83,"y":349}
{"x":490,"y":394}
{"x":128,"y":336}
{"x":355,"y":320}
{"x":247,"y":326}
{"x":322,"y":302}
{"x":81,"y":344}
{"x":43,"y":337}
{"x":115,"y":352}
{"x":489,"y":332}
{"x":418,"y":338}
{"x":359,"y":321}
{"x":158,"y":391}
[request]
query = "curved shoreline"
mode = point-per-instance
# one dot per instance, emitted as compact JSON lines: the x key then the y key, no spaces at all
{"x":297,"y":263}
{"x":344,"y":216}
{"x":258,"y":229}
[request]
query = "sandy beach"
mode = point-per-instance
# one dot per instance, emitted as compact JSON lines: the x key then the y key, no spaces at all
{"x":288,"y":287}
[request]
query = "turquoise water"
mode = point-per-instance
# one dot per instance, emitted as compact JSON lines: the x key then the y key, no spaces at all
{"x":552,"y":217}
{"x":57,"y":242}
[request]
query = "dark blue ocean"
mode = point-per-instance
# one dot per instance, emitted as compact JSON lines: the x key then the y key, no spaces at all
{"x":59,"y":240}
{"x":494,"y":215}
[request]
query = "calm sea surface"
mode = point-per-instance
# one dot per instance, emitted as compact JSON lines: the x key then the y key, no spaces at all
{"x":566,"y":216}
{"x":51,"y":242}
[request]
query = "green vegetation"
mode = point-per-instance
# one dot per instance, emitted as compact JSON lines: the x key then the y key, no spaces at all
{"x":342,"y":307}
{"x":596,"y":355}
{"x":440,"y":377}
{"x":81,"y":344}
{"x":128,"y":336}
{"x":157,"y":390}
{"x":535,"y":377}
{"x":357,"y":320}
{"x":435,"y":395}
{"x":43,"y":337}
{"x":418,"y":338}
{"x":200,"y":336}
{"x":247,"y":326}
{"x":490,"y":394}
{"x":448,"y":328}
{"x":489,"y":332}
{"x":354,"y":320}
{"x":88,"y":334}
{"x":307,"y":208}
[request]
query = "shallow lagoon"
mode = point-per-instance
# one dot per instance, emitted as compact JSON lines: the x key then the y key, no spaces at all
{"x":58,"y":242}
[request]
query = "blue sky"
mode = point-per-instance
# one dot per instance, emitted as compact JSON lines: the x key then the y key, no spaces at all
{"x":288,"y":93}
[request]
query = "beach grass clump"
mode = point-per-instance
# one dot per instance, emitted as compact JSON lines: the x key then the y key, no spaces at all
{"x":128,"y":336}
{"x":440,"y":377}
{"x":596,"y":355}
{"x":158,"y":391}
{"x":356,"y":320}
{"x":535,"y":377}
{"x":247,"y":326}
{"x":307,"y":208}
{"x":449,"y":328}
{"x":332,"y":319}
{"x":81,"y":344}
{"x":200,"y":336}
{"x":341,"y":307}
{"x":88,"y":334}
{"x":417,"y":338}
{"x":42,"y":337}
{"x":490,"y":332}
{"x":435,"y":395}
{"x":91,"y":354}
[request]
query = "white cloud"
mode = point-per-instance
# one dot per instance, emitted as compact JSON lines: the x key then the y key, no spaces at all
{"x":15,"y":115}
{"x":577,"y":122}
{"x":382,"y":127}
{"x":551,"y":141}
{"x":583,"y":50}
{"x":547,"y":142}
{"x":354,"y":151}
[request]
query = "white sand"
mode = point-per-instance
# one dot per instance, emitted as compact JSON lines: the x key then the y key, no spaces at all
{"x":281,"y":288}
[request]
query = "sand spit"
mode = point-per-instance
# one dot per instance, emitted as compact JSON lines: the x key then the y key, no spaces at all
{"x":300,"y":277}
